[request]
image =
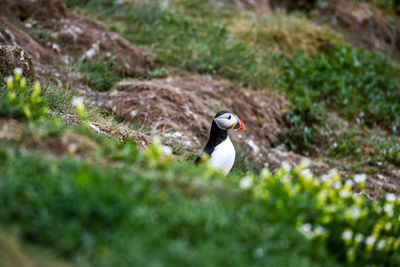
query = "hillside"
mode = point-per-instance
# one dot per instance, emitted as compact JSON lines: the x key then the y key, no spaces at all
{"x":105,"y":104}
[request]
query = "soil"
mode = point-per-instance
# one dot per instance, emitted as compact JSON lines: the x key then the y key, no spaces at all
{"x":182,"y":108}
{"x":365,"y":25}
{"x":66,"y":37}
{"x":12,"y":57}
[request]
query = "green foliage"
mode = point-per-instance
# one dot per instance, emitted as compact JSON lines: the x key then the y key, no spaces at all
{"x":388,"y":149}
{"x":347,"y":145}
{"x":99,"y":74}
{"x":326,"y":211}
{"x":21,"y":100}
{"x":148,"y":210}
{"x":303,"y":120}
{"x":359,"y":85}
{"x":187,"y":42}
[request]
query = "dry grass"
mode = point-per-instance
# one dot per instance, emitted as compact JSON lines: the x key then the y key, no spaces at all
{"x":283,"y":33}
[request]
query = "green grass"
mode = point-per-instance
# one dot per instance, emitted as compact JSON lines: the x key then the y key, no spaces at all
{"x":99,"y":74}
{"x":189,"y":43}
{"x":135,"y":215}
{"x":360,"y":86}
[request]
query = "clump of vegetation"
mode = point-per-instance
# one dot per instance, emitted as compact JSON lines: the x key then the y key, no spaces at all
{"x":99,"y":74}
{"x":284,"y":33}
{"x":304,"y":122}
{"x":189,"y":43}
{"x":347,"y":144}
{"x":388,"y":149}
{"x":360,"y":85}
{"x":20,"y":100}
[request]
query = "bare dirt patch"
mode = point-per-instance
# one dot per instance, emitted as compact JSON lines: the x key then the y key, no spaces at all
{"x":182,"y":108}
{"x":365,"y":25}
{"x":14,"y":57}
{"x":62,"y":35}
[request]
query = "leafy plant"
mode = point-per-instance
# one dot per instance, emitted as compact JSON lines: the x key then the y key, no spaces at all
{"x":360,"y":85}
{"x":304,"y":120}
{"x":99,"y":74}
{"x":388,"y":149}
{"x":21,"y":100}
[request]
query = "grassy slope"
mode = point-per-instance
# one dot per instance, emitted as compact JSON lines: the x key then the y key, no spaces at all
{"x":135,"y":210}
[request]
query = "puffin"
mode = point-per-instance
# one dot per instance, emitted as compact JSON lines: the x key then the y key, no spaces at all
{"x":219,"y":148}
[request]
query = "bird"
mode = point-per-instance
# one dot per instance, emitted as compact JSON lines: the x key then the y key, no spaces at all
{"x":219,"y":148}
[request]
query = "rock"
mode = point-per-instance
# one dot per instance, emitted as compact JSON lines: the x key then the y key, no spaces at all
{"x":12,"y":57}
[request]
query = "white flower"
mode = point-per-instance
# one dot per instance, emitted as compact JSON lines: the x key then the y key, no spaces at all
{"x":10,"y":79}
{"x":305,"y":162}
{"x":307,"y":173}
{"x":76,"y":101}
{"x":246,"y":182}
{"x":166,"y":150}
{"x":381,"y":244}
{"x":343,"y":193}
{"x":360,"y":178}
{"x":359,"y":238}
{"x":370,"y":241}
{"x":349,"y":183}
{"x":347,"y":234}
{"x":17,"y":71}
{"x":305,"y":229}
{"x":337,"y":184}
{"x":390,"y":197}
{"x":319,"y":230}
{"x":286,"y":166}
{"x":388,"y":208}
{"x":388,"y":226}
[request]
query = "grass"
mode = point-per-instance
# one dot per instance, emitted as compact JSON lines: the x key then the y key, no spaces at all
{"x":99,"y":74}
{"x":186,"y":42}
{"x":283,"y":33}
{"x":133,"y":214}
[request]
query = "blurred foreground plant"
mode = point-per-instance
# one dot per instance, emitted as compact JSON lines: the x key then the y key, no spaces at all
{"x":23,"y":100}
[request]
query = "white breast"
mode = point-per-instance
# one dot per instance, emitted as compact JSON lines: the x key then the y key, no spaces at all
{"x":223,"y":156}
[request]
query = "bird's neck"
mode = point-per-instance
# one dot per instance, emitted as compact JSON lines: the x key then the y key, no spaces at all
{"x":217,"y":135}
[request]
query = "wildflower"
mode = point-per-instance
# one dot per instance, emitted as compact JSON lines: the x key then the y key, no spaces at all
{"x":344,"y":193}
{"x":370,"y":241}
{"x":319,"y":230}
{"x":390,"y":197}
{"x":305,"y":229}
{"x":347,"y":235}
{"x":246,"y":182}
{"x":77,"y":101}
{"x":381,"y":244}
{"x":360,"y":178}
{"x":286,"y":166}
{"x":388,"y":208}
{"x":23,"y":82}
{"x":17,"y":71}
{"x":337,"y":184}
{"x":166,"y":150}
{"x":10,"y":83}
{"x":359,"y":238}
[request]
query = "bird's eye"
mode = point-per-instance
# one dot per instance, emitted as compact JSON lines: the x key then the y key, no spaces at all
{"x":229,"y":117}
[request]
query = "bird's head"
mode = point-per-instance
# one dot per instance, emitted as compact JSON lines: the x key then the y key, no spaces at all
{"x":226,"y":120}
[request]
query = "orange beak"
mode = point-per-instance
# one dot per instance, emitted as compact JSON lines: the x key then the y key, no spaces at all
{"x":240,"y":126}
